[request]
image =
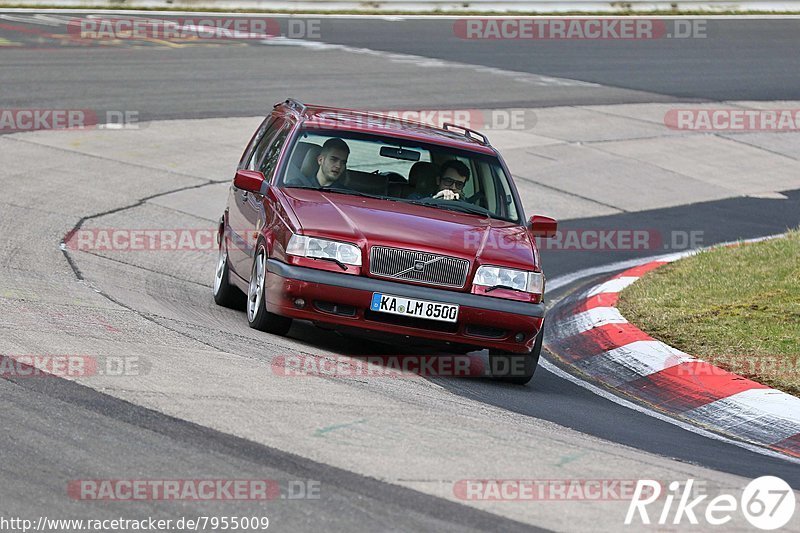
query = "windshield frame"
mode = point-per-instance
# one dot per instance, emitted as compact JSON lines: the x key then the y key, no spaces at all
{"x":493,"y":159}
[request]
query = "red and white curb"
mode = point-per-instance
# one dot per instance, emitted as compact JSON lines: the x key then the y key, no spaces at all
{"x":593,"y":337}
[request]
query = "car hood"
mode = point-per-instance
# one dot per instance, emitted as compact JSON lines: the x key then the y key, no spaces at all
{"x":370,"y":221}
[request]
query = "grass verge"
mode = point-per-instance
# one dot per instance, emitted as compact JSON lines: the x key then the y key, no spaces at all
{"x":738,"y":308}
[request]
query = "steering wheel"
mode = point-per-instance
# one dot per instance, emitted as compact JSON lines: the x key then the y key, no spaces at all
{"x":478,"y":199}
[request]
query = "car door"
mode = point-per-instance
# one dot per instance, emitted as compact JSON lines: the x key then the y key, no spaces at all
{"x":240,"y":231}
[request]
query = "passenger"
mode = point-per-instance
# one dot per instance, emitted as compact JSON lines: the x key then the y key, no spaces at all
{"x":452,"y":178}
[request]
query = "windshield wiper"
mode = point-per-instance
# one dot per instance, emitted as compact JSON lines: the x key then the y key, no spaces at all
{"x":464,"y":208}
{"x":332,"y":260}
{"x":339,"y":191}
{"x":354,"y":193}
{"x":490,"y":289}
{"x":460,"y":207}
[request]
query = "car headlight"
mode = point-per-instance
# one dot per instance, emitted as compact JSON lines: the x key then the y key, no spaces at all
{"x":489,"y":276}
{"x":349,"y":254}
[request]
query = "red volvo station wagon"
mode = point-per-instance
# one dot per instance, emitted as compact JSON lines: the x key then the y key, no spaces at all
{"x":370,"y":224}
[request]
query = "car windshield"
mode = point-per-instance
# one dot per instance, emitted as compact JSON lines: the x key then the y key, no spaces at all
{"x":402,"y":171}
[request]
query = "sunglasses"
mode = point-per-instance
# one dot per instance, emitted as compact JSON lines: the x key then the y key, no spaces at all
{"x":450,"y":182}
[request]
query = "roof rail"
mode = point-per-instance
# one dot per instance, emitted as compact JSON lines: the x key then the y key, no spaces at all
{"x":291,"y":103}
{"x":468,"y":133}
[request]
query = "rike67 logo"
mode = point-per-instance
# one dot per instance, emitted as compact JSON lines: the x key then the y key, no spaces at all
{"x":767,"y":503}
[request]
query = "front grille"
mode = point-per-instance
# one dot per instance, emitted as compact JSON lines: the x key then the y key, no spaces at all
{"x":424,"y":267}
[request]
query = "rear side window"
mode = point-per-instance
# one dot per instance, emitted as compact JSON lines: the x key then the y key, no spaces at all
{"x":262,"y":144}
{"x":273,"y":152}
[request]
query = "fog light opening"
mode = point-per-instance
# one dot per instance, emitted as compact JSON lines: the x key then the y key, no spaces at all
{"x":299,"y":303}
{"x":519,"y":337}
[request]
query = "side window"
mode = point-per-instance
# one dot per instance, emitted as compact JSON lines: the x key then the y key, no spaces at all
{"x":490,"y":191}
{"x":262,"y":144}
{"x":505,"y":199}
{"x":472,"y":184}
{"x":247,"y":156}
{"x":273,"y":153}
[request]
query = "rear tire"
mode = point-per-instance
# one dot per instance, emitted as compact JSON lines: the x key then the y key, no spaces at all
{"x":257,"y":315}
{"x":516,"y":368}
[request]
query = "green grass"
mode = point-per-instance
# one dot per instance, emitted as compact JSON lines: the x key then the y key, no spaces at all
{"x":738,"y":308}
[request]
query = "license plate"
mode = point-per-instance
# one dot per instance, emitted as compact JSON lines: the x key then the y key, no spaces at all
{"x":398,"y":305}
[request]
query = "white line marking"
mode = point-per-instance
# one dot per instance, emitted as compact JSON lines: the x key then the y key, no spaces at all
{"x":763,"y":414}
{"x":603,"y":269}
{"x":593,"y":318}
{"x":550,"y":367}
{"x":771,"y":401}
{"x":429,"y":62}
{"x":566,"y":279}
{"x":26,"y":20}
{"x":633,"y":361}
{"x":612,"y":285}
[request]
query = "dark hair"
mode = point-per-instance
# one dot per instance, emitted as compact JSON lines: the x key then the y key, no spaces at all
{"x":335,"y":143}
{"x":458,"y":166}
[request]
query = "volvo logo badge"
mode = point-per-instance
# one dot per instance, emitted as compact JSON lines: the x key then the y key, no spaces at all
{"x":419,"y":266}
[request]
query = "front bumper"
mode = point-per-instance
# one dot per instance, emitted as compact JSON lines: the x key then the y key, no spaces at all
{"x":343,"y":300}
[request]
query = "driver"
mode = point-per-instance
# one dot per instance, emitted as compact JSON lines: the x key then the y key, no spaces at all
{"x":332,"y":163}
{"x":451,"y":180}
{"x":332,"y":167}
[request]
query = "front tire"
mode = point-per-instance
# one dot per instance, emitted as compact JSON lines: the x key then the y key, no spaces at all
{"x":516,"y":368}
{"x":257,"y":315}
{"x":225,"y":294}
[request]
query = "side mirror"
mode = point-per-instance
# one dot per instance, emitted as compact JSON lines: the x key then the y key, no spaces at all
{"x":544,"y":227}
{"x":250,"y":180}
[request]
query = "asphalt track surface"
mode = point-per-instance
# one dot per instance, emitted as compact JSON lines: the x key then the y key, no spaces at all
{"x":736,"y":60}
{"x":59,"y":426}
{"x":122,"y":437}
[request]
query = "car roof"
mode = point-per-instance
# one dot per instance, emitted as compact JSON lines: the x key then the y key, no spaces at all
{"x":325,"y":117}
